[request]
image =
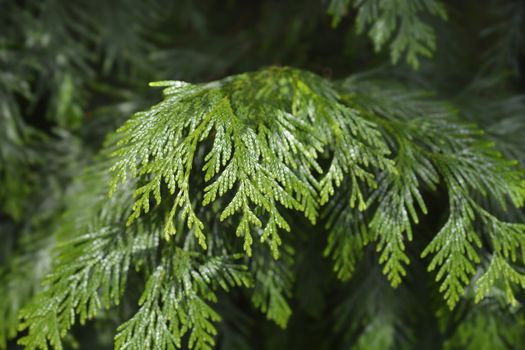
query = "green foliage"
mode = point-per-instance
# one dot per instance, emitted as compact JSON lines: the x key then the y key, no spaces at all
{"x":29,"y":245}
{"x":18,"y":283}
{"x":397,"y":22}
{"x":174,"y":302}
{"x":462,"y":161}
{"x":374,"y":318}
{"x":272,"y":285}
{"x":507,"y":130}
{"x":507,"y":30}
{"x":79,"y":286}
{"x":488,"y":326}
{"x":266,"y":131}
{"x":274,"y":209}
{"x":265,"y":142}
{"x":14,"y":133}
{"x":348,"y":236}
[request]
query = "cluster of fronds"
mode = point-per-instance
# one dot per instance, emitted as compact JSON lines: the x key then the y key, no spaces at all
{"x":354,"y":213}
{"x":232,"y":158}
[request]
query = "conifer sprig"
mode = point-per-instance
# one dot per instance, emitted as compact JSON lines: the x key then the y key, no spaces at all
{"x":397,"y":22}
{"x":175,"y":302}
{"x":80,"y":285}
{"x":254,"y":148}
{"x":432,"y":147}
{"x":226,"y":194}
{"x":265,"y":132}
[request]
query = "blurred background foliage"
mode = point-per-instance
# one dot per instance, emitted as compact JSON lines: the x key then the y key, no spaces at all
{"x":73,"y":71}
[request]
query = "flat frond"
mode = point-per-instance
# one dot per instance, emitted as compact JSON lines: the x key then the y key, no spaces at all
{"x":273,"y":286}
{"x":431,"y":146}
{"x":396,"y":22}
{"x":176,"y":300}
{"x":263,"y":134}
{"x":79,"y":285}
